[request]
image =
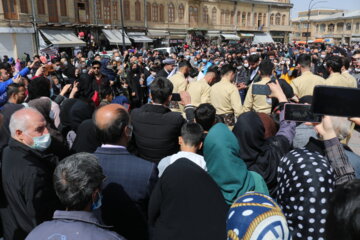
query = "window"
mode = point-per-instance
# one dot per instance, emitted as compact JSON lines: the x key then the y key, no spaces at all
{"x":222,"y":17}
{"x":23,"y":6}
{"x":148,"y":11}
{"x":331,"y":27}
{"x":107,"y":12}
{"x":213,"y":16}
{"x":248,"y":19}
{"x":137,"y":10}
{"x":238,"y":18}
{"x":243,"y":19}
{"x":260,"y":20}
{"x":155,"y":13}
{"x":193,"y":14}
{"x":205,"y":15}
{"x":9,"y":9}
{"x":161,"y":13}
{"x":227,"y":17}
{"x":264,"y":19}
{"x":348,"y":27}
{"x":232,"y":16}
{"x":181,"y":12}
{"x":98,"y":9}
{"x":357,"y":26}
{"x":40,"y":6}
{"x":255,"y":20}
{"x":317,"y":27}
{"x":63,"y":10}
{"x":283,"y":19}
{"x":272,"y":19}
{"x":277,"y":19}
{"x":127,"y":10}
{"x":115,"y":11}
{"x":171,"y":12}
{"x":322,"y":27}
{"x":52,"y":11}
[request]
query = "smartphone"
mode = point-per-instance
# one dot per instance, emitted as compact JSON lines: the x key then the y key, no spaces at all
{"x":176,"y":97}
{"x":261,"y":89}
{"x":336,"y":101}
{"x":300,"y":113}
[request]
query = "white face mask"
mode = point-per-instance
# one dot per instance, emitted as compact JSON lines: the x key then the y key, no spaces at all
{"x":323,"y":56}
{"x":117,"y":59}
{"x":246,"y":65}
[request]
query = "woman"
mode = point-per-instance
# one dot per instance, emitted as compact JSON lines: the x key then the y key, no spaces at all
{"x":306,"y":181}
{"x":259,"y":148}
{"x":222,"y":157}
{"x":187,"y":204}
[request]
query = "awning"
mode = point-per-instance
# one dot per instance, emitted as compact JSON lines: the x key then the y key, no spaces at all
{"x":115,"y":37}
{"x":355,"y":40}
{"x":246,"y":34}
{"x":231,"y":37}
{"x":300,"y":42}
{"x":141,"y":39}
{"x":213,"y":34}
{"x":319,"y":40}
{"x":62,"y":38}
{"x":262,"y":38}
{"x":177,"y":35}
{"x":157,"y":33}
{"x":16,"y":30}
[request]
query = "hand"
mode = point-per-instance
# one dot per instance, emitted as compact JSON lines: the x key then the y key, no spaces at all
{"x":241,"y":86}
{"x":326,"y":129}
{"x":65,"y":89}
{"x":185,"y":98}
{"x":40,"y":71}
{"x":17,"y":79}
{"x":277,"y":92}
{"x":355,"y":120}
{"x":32,"y":65}
{"x":91,"y":71}
{"x":74,"y":90}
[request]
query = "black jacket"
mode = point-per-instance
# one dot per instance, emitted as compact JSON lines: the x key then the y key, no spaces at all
{"x":162,"y":73}
{"x":156,"y":131}
{"x":27,"y":183}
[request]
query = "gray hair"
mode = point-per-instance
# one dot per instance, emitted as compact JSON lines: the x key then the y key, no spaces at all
{"x":76,"y":178}
{"x":342,"y":127}
{"x":18,"y":121}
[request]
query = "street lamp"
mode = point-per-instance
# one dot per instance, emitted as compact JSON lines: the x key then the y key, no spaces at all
{"x":308,"y":21}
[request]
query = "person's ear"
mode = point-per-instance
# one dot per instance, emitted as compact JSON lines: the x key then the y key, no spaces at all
{"x":19,"y":135}
{"x":200,"y":145}
{"x":95,"y":195}
{"x":181,"y":141}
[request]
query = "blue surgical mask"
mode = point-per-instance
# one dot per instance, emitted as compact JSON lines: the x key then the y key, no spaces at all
{"x":217,"y":63}
{"x":41,"y":143}
{"x":204,"y":60}
{"x":98,"y":203}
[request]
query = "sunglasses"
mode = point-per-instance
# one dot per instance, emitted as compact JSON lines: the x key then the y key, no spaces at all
{"x":96,"y":68}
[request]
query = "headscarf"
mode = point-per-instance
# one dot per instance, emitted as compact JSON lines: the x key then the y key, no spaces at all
{"x":306,"y":181}
{"x":256,"y":216}
{"x":259,"y":154}
{"x":221,"y":152}
{"x":86,"y":87}
{"x":186,"y":203}
{"x":110,"y":74}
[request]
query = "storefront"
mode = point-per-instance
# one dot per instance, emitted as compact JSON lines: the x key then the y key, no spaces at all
{"x":177,"y":38}
{"x":139,"y":39}
{"x":114,"y":37}
{"x":230,"y":38}
{"x":160,"y":38}
{"x":213,"y":37}
{"x":262,"y":38}
{"x":15,"y":41}
{"x":197,"y":37}
{"x":279,"y":36}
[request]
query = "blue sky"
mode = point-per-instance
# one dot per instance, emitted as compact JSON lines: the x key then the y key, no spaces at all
{"x":302,"y":5}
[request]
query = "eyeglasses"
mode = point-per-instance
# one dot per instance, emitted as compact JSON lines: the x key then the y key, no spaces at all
{"x":96,"y":67}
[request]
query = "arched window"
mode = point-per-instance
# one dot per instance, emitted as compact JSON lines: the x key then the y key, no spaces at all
{"x":260,"y":20}
{"x":155,"y":12}
{"x":272,"y":19}
{"x":348,"y":27}
{"x":171,"y":12}
{"x":357,"y":26}
{"x":148,"y":11}
{"x":331,"y":27}
{"x":213,"y":15}
{"x":238,"y":16}
{"x":181,"y":12}
{"x":283,"y":19}
{"x":322,"y":27}
{"x":137,"y":10}
{"x":196,"y":14}
{"x":232,"y":18}
{"x":264,"y":19}
{"x":193,"y":15}
{"x":127,"y":10}
{"x":248,"y":19}
{"x":40,"y":6}
{"x":227,"y":17}
{"x":222,"y":17}
{"x":161,"y":13}
{"x":255,"y":23}
{"x":340,"y":27}
{"x":277,"y":19}
{"x":205,"y":15}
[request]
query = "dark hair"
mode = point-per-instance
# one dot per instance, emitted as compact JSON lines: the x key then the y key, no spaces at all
{"x":343,"y":219}
{"x":75,"y":180}
{"x":13,"y":89}
{"x":193,"y":73}
{"x":226,"y":69}
{"x":304,"y":60}
{"x":114,"y":129}
{"x":266,"y":68}
{"x":39,"y":87}
{"x":161,"y":88}
{"x":184,"y":64}
{"x":192,"y":134}
{"x":335,"y":63}
{"x":96,"y":63}
{"x":254,"y":58}
{"x":55,"y":60}
{"x":205,"y":115}
{"x":105,"y":90}
{"x":346,"y":62}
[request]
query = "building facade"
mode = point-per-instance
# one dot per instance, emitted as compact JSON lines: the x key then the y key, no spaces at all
{"x":334,"y":26}
{"x":164,"y":22}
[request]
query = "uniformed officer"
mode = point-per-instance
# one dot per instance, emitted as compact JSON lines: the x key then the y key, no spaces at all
{"x":334,"y":65}
{"x":179,"y":81}
{"x":200,"y":90}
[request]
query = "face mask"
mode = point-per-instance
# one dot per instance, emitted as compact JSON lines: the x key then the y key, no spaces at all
{"x":57,"y":68}
{"x":282,"y":62}
{"x":84,"y":70}
{"x":216,"y":63}
{"x":65,"y":63}
{"x":323,"y":56}
{"x":239,"y":67}
{"x":29,"y":76}
{"x":187,"y":57}
{"x":324,"y":65}
{"x":83,"y":65}
{"x":41,"y":143}
{"x":98,"y":203}
{"x":204,"y":60}
{"x":51,"y":92}
{"x":109,"y":67}
{"x":117,"y":59}
{"x":287,"y":63}
{"x":243,"y":57}
{"x":76,"y":65}
{"x":246,"y":65}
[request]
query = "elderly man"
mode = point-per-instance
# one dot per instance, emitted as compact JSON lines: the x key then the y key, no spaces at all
{"x":168,"y":68}
{"x":27,"y":175}
{"x":77,"y":181}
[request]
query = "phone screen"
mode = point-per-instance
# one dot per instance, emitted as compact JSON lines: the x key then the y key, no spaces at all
{"x":336,"y":101}
{"x":261,"y":89}
{"x":176,"y":97}
{"x":300,"y":113}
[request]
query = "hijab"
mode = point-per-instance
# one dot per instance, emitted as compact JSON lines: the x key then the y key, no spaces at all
{"x":186,"y":203}
{"x":109,"y":73}
{"x":86,"y":87}
{"x":260,"y":155}
{"x":222,"y":157}
{"x":306,"y":181}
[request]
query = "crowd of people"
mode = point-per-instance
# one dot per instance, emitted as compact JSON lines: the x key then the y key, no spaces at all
{"x":148,"y":144}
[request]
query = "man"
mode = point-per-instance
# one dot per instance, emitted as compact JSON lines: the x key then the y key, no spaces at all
{"x":205,"y":115}
{"x":200,"y":90}
{"x":77,"y":182}
{"x":57,"y":66}
{"x":99,"y":78}
{"x":27,"y":175}
{"x":156,"y":128}
{"x":355,"y":72}
{"x":168,"y":68}
{"x":179,"y":81}
{"x":305,"y":84}
{"x":350,"y":80}
{"x":225,"y":97}
{"x":259,"y":103}
{"x":136,"y":176}
{"x":254,"y":61}
{"x":190,"y":143}
{"x":334,"y":65}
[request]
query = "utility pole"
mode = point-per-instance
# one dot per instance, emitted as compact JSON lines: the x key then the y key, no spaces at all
{"x":34,"y":22}
{"x":122,"y":25}
{"x":308,"y":20}
{"x":145,"y":16}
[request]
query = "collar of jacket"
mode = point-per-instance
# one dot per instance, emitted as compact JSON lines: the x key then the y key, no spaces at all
{"x":80,"y":216}
{"x":24,"y":148}
{"x":155,"y":108}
